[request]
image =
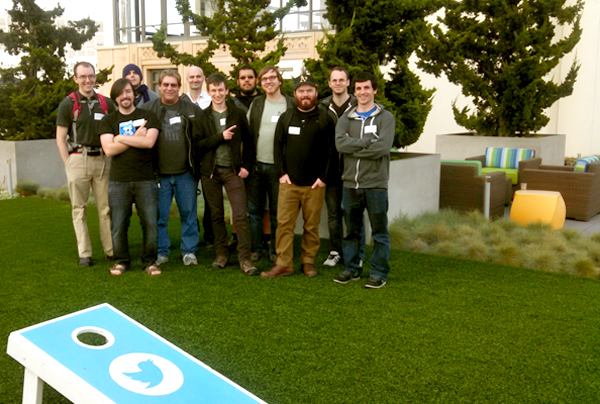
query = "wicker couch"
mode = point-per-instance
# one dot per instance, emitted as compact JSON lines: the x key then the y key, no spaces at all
{"x":462,"y":188}
{"x":581,"y":191}
{"x":523,"y":164}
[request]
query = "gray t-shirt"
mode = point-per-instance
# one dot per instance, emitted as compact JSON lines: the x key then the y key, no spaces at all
{"x":223,"y":154}
{"x":172,"y":144}
{"x":266,"y":132}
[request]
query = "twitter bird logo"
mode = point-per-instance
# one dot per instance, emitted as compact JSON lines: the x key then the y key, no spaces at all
{"x":149,"y":373}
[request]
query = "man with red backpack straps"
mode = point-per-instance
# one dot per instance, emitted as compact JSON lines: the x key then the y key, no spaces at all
{"x":87,"y":167}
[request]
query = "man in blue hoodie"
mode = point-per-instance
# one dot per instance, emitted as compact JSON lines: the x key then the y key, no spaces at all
{"x":364,"y":137}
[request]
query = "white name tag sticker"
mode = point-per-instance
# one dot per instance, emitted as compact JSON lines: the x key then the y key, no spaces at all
{"x":174,"y":120}
{"x":275,"y":118}
{"x":371,"y":129}
{"x":98,"y":116}
{"x":138,"y":122}
{"x":294,"y":130}
{"x":222,"y":121}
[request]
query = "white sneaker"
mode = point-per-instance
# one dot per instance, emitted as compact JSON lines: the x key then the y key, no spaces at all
{"x":190,"y":259}
{"x":333,"y":259}
{"x":162,"y":259}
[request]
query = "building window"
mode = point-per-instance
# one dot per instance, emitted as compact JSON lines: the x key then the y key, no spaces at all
{"x":137,"y":20}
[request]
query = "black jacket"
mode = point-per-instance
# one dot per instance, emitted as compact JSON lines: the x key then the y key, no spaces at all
{"x":242,"y":146}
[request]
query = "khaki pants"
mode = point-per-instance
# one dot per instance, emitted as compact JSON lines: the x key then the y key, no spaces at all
{"x":85,"y":172}
{"x":291,"y":198}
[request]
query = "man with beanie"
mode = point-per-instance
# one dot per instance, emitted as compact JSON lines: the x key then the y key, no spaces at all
{"x":303,"y":150}
{"x":143,"y":94}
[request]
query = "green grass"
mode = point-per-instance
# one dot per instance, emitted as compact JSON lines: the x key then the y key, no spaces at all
{"x":444,"y":330}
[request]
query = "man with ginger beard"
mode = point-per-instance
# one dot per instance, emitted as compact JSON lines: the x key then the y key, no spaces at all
{"x":303,"y":150}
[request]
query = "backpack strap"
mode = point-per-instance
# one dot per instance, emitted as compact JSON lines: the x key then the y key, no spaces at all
{"x":76,"y":113}
{"x":103,"y":103}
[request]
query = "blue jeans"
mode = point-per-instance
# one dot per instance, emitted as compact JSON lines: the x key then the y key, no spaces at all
{"x":121,"y":197}
{"x":333,"y":200}
{"x":262,"y":182}
{"x":354,"y":203}
{"x":183,"y":187}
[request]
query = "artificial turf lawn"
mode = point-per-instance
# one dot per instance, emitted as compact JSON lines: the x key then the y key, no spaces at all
{"x":442,"y":330}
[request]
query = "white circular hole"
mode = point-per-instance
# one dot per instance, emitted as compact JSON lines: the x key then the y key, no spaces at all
{"x":93,"y":337}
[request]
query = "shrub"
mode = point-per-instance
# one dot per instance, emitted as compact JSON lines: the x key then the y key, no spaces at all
{"x":27,"y":187}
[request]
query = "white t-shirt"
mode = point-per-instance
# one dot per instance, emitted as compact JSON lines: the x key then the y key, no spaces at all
{"x":203,"y":101}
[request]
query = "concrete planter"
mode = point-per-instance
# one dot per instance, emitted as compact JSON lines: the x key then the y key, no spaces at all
{"x":551,"y":148}
{"x":414,"y":188}
{"x":35,"y":160}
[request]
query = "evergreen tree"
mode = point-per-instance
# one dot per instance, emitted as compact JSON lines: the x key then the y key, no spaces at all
{"x":30,"y":93}
{"x":370,"y":34}
{"x":243,"y":27}
{"x":501,"y":52}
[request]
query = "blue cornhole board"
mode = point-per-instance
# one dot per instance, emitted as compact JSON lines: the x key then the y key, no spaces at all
{"x":135,"y":365}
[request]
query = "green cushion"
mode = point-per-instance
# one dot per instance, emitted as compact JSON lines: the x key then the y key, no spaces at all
{"x":512,"y":173}
{"x":465,"y":163}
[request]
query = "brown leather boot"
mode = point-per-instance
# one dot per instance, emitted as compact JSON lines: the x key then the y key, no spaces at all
{"x":309,"y":270}
{"x":278,"y":271}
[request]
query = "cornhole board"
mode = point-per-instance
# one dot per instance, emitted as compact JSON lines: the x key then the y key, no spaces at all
{"x":133,"y":364}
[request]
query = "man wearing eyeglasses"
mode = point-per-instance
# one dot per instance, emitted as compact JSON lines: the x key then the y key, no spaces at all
{"x":263,"y":182}
{"x":181,"y":121}
{"x":78,"y":141}
{"x":246,"y":81}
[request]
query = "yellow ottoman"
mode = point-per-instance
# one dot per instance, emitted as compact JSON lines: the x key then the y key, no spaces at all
{"x":531,"y":206}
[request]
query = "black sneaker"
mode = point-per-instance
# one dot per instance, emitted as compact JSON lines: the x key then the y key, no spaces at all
{"x":375,"y":282}
{"x":85,"y":262}
{"x":346,"y":276}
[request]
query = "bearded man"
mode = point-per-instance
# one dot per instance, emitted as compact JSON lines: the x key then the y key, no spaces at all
{"x":304,"y":147}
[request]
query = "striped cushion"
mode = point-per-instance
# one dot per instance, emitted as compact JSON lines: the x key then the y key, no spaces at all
{"x":506,"y":157}
{"x":582,"y":164}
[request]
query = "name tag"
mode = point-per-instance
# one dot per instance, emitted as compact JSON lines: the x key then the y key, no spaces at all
{"x":294,"y":130}
{"x":98,"y":116}
{"x":138,"y":122}
{"x":126,"y":128}
{"x":275,"y":118}
{"x":222,"y":121}
{"x":174,"y":120}
{"x":371,"y":129}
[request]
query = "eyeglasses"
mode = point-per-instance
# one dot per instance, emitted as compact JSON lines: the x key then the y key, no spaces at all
{"x":268,"y":78}
{"x":245,"y":77}
{"x":173,"y":85}
{"x":84,"y":78}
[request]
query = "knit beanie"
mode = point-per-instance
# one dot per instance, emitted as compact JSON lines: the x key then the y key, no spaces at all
{"x":133,"y":67}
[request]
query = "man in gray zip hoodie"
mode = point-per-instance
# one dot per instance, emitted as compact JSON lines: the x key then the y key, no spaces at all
{"x":364,"y":137}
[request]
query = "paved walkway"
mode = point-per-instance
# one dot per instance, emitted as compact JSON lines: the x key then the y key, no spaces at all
{"x":586,"y":228}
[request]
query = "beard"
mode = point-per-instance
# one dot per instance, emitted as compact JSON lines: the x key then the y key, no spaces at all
{"x":306,"y":104}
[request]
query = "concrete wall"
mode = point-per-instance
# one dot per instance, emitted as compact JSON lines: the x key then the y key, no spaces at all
{"x":35,"y":160}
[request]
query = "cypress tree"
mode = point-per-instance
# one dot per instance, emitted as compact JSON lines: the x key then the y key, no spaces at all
{"x":30,"y":93}
{"x":502,"y":54}
{"x":370,"y":34}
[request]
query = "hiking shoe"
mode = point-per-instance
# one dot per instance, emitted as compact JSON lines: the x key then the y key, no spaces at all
{"x":162,"y":259}
{"x":255,"y":256}
{"x":346,"y":276}
{"x":309,"y":270}
{"x":85,"y":262}
{"x":190,"y":259}
{"x":375,"y":282}
{"x":278,"y":271}
{"x":220,"y":262}
{"x":333,"y":259}
{"x":248,"y":268}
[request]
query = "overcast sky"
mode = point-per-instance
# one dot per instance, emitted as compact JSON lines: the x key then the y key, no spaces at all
{"x":100,"y":11}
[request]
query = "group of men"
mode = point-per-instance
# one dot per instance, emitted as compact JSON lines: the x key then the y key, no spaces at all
{"x":270,"y":152}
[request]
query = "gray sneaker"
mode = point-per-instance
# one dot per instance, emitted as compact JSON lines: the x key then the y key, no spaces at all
{"x":375,"y":282}
{"x":162,"y":259}
{"x":189,"y":259}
